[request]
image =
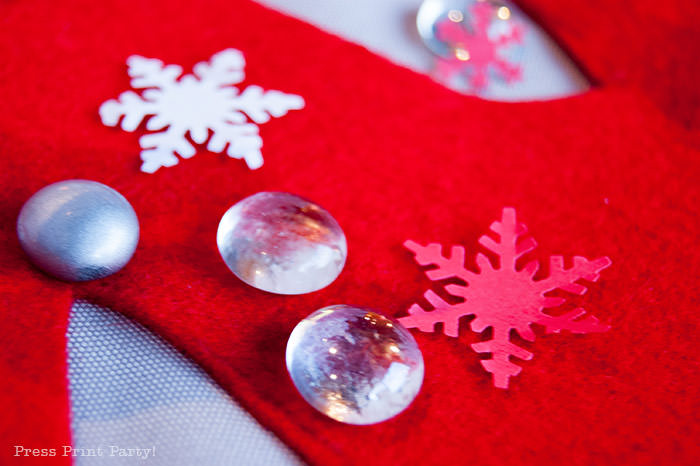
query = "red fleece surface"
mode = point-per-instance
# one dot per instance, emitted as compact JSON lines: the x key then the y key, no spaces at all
{"x":393,"y":156}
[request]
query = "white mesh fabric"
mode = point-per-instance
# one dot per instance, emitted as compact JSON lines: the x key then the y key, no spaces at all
{"x":130,"y":389}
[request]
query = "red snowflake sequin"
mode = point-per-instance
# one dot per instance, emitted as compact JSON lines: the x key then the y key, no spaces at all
{"x":505,"y":297}
{"x":475,"y":51}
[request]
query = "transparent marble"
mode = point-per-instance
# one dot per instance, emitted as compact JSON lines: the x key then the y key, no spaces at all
{"x":78,"y":230}
{"x":354,"y":364}
{"x":431,"y":12}
{"x":282,"y":243}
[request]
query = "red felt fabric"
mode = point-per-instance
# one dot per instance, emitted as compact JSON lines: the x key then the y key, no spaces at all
{"x":393,"y":156}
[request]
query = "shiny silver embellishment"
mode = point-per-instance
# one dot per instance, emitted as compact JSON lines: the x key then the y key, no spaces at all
{"x":78,"y":230}
{"x":282,"y":243}
{"x":354,"y":364}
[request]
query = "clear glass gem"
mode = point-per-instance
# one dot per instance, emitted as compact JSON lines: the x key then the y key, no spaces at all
{"x":479,"y":43}
{"x":78,"y":230}
{"x":282,"y":243}
{"x":354,"y":364}
{"x":467,"y":14}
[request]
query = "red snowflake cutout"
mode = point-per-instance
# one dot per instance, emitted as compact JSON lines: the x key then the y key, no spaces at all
{"x":504,"y":298}
{"x":474,"y":50}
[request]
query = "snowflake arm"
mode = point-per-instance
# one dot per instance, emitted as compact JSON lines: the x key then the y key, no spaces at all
{"x":144,"y":73}
{"x":565,"y":279}
{"x":578,"y":320}
{"x":161,"y":149}
{"x":501,"y":350}
{"x":509,"y":72}
{"x":443,"y":312}
{"x":151,"y":72}
{"x":129,"y":105}
{"x":226,"y":68}
{"x":260,"y":105}
{"x":447,"y":267}
{"x":509,"y":247}
{"x":575,"y":321}
{"x":515,"y":35}
{"x":243,"y":142}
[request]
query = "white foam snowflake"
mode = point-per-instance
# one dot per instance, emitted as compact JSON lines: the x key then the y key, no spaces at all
{"x":196,"y":103}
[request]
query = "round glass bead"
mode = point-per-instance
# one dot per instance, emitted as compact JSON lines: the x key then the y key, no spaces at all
{"x":483,"y":21}
{"x":78,"y":230}
{"x":354,"y":364}
{"x":282,"y":243}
